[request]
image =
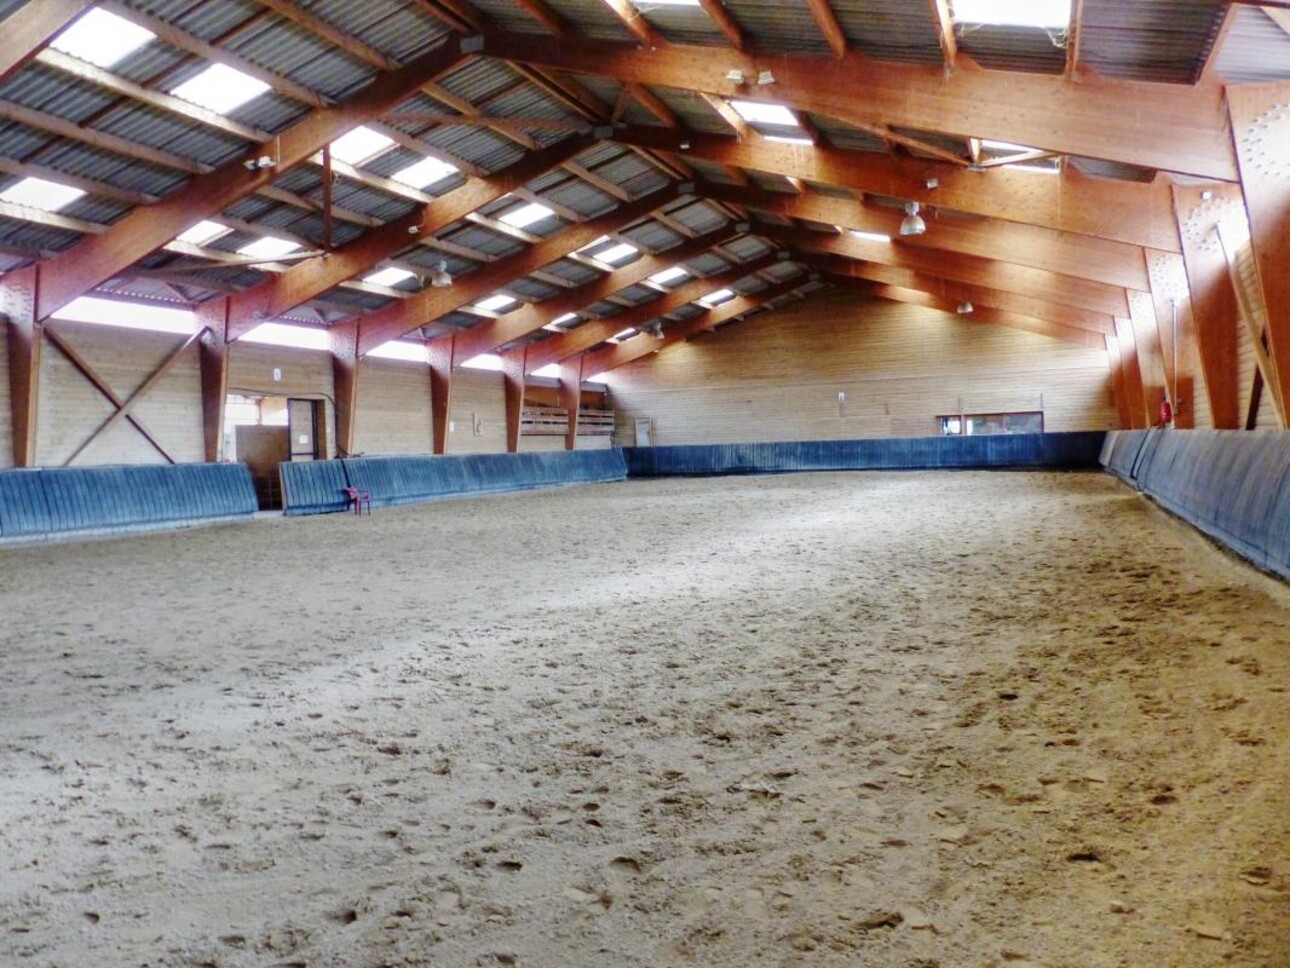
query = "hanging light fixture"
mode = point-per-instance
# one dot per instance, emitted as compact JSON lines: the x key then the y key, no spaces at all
{"x":440,"y":278}
{"x":965,"y":308}
{"x":913,"y":223}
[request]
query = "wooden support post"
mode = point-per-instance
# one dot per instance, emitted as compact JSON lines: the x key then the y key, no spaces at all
{"x":1174,"y":318}
{"x":344,"y":368}
{"x":442,"y":352}
{"x":1140,"y":414}
{"x":1199,"y":210}
{"x":1119,"y":392}
{"x":571,"y":397}
{"x":1260,"y":116}
{"x":18,"y":295}
{"x":213,"y":356}
{"x":513,"y":378}
{"x":1151,"y":366}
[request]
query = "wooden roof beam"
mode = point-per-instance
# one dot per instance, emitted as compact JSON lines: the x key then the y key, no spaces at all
{"x":1007,"y":277}
{"x":88,"y":263}
{"x":396,"y":320}
{"x":1172,"y":127}
{"x":1083,"y":256}
{"x":574,"y":341}
{"x":827,"y":21}
{"x":720,"y":16}
{"x":315,"y":276}
{"x":30,"y":28}
{"x":529,"y":319}
{"x":945,"y":31}
{"x":635,"y":21}
{"x":612,"y":357}
{"x":1073,"y":38}
{"x":1133,"y":212}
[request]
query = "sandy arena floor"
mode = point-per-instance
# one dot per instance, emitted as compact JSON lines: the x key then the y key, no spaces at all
{"x":905,"y":720}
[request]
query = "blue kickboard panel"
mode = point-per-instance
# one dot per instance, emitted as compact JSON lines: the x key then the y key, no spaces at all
{"x":1066,"y":451}
{"x":1232,"y":485}
{"x":1123,"y":452}
{"x":407,"y":480}
{"x":74,"y":499}
{"x":314,"y":487}
{"x":23,"y":507}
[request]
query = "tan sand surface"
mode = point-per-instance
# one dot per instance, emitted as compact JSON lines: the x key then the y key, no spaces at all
{"x":908,"y":720}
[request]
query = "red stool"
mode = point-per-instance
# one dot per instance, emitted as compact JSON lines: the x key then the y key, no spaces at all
{"x":358,"y":498}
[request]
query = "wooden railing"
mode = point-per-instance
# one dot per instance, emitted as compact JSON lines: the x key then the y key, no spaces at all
{"x":554,"y":422}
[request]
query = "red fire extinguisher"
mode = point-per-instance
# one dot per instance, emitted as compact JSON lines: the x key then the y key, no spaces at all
{"x":1166,"y":412}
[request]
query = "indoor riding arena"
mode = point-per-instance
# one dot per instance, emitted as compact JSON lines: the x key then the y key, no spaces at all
{"x":644,"y":483}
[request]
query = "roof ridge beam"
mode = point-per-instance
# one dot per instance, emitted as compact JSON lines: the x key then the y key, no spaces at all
{"x":1173,"y":127}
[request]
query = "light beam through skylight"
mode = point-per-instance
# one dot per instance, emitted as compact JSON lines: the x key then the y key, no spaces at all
{"x":1050,"y":14}
{"x":38,"y":193}
{"x":220,"y":89}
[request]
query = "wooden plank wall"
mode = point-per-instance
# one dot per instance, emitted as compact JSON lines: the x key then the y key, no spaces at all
{"x":777,"y":376}
{"x":124,"y":358}
{"x":393,"y":408}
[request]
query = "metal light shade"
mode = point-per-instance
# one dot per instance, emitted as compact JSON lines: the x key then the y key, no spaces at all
{"x":440,"y":278}
{"x":913,"y":223}
{"x":965,"y":308}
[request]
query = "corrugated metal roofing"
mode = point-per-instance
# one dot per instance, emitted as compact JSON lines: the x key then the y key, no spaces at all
{"x":592,"y":19}
{"x":1002,"y":48}
{"x":1257,"y":49}
{"x":1148,"y":40}
{"x":682,"y":25}
{"x":779,"y":25}
{"x":893,"y":30}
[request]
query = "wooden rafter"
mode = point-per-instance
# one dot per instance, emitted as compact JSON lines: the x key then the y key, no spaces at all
{"x":400,"y":318}
{"x":584,"y":337}
{"x":1280,"y":16}
{"x":954,"y":292}
{"x":1173,"y":127}
{"x":827,"y":21}
{"x":1083,"y":256}
{"x":635,"y":21}
{"x":945,"y":31}
{"x":615,"y":355}
{"x":1074,"y":37}
{"x":720,"y":16}
{"x":289,"y":10}
{"x":544,"y":15}
{"x":1007,"y":277}
{"x":1132,"y":212}
{"x":28,"y":29}
{"x":94,"y":259}
{"x":529,"y":319}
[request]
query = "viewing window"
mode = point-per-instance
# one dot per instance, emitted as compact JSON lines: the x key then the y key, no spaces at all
{"x":976,"y":424}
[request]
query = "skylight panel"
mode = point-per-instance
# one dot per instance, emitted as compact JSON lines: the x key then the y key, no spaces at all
{"x":870,"y":236}
{"x":646,"y":4}
{"x":221,"y":89}
{"x":551,"y":371}
{"x":38,"y":193}
{"x":624,"y":334}
{"x":360,"y":145}
{"x":388,"y":277}
{"x":130,"y":315}
{"x":618,"y":253}
{"x":758,"y":112}
{"x":424,"y":173}
{"x":201,"y":233}
{"x":1003,"y":146}
{"x":269,"y":247}
{"x":717,"y":298}
{"x":1050,"y":14}
{"x":495,"y":304}
{"x":526,"y":215}
{"x":557,"y":325}
{"x":101,"y":38}
{"x":484,"y":361}
{"x":398,"y":349}
{"x":668,"y":275}
{"x":283,"y":334}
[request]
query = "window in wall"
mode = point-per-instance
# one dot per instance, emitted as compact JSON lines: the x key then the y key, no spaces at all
{"x":977,"y":424}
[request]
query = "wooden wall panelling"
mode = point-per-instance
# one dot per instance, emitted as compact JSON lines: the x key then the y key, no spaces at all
{"x":1172,"y":301}
{"x":477,"y":415}
{"x":1140,"y":414}
{"x":393,"y":415}
{"x":126,"y":360}
{"x":305,"y":373}
{"x":1120,"y":391}
{"x":777,"y":376}
{"x":1151,"y":364}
